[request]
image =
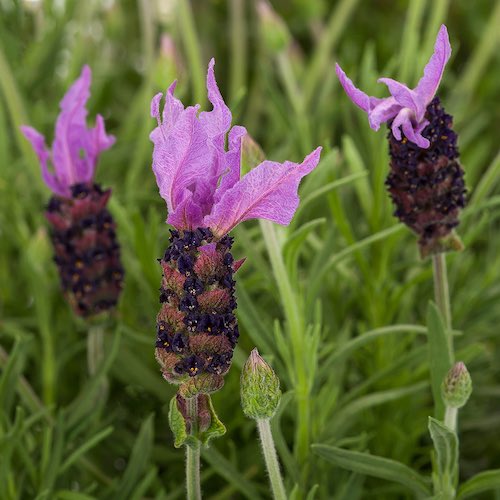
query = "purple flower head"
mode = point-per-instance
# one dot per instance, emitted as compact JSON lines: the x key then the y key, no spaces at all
{"x":76,"y":147}
{"x":200,"y":180}
{"x":406,"y":107}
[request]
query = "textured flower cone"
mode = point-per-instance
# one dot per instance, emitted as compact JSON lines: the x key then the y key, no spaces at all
{"x":427,"y":185}
{"x":196,"y":326}
{"x":86,"y":251}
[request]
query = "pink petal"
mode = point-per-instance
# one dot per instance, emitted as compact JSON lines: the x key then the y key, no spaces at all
{"x":406,"y":97}
{"x":433,"y":71}
{"x":71,"y":132}
{"x":187,"y":215}
{"x":384,"y":111}
{"x":233,"y":161}
{"x":217,"y":121}
{"x":357,"y":96}
{"x":180,"y":156}
{"x":404,"y":121}
{"x":267,"y":192}
{"x":37,"y":141}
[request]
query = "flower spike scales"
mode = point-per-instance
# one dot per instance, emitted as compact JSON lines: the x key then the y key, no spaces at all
{"x":199,"y":179}
{"x":83,"y":231}
{"x":426,"y":180}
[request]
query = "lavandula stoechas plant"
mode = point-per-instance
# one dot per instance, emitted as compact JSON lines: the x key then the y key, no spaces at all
{"x":206,"y":198}
{"x":87,"y":253}
{"x":426,"y":181}
{"x":427,"y":187}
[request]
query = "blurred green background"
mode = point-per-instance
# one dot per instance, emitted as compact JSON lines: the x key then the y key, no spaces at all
{"x":336,"y":302}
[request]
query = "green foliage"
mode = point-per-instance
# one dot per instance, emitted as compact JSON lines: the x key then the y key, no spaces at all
{"x":337,"y":302}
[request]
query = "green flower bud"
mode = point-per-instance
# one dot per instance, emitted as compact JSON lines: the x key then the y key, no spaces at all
{"x":275,"y":34}
{"x":457,"y":386}
{"x":260,"y":388}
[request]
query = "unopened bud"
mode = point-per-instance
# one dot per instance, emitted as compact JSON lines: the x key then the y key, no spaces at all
{"x":275,"y":34}
{"x":251,"y":153}
{"x":260,"y":388}
{"x":457,"y":386}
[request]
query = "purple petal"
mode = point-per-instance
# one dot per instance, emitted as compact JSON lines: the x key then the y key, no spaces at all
{"x":76,"y":147}
{"x":267,"y":192}
{"x":404,"y":121}
{"x":406,"y":97}
{"x":180,"y":155}
{"x":233,"y":161}
{"x":433,"y":71}
{"x":217,"y":121}
{"x":71,"y":132}
{"x":187,"y":214}
{"x":37,"y":141}
{"x":384,"y":111}
{"x":357,"y":96}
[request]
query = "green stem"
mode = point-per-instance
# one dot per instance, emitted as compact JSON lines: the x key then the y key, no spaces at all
{"x":297,"y":336}
{"x":450,"y":418}
{"x":272,"y":465}
{"x":193,"y":485}
{"x":442,"y":293}
{"x":95,"y":357}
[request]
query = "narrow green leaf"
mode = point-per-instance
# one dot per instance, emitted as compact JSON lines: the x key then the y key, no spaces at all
{"x":440,"y":357}
{"x":139,"y":459}
{"x":228,"y":471}
{"x":89,"y":444}
{"x":484,"y":481}
{"x":72,"y":495}
{"x":446,"y":446}
{"x":372,"y":465}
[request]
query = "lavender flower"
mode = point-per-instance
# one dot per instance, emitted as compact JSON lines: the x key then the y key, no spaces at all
{"x":206,"y":198}
{"x":426,"y":181}
{"x":83,"y":231}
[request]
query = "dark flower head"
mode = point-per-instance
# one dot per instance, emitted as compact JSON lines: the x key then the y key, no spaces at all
{"x":406,"y":108}
{"x":200,"y":181}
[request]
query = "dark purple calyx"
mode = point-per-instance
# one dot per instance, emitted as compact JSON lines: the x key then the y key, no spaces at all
{"x":427,"y":185}
{"x":196,"y":326}
{"x":87,"y":253}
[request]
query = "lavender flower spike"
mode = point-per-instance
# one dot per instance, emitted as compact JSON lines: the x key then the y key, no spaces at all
{"x":82,"y":229}
{"x":406,"y":107}
{"x":76,"y":147}
{"x":200,"y":181}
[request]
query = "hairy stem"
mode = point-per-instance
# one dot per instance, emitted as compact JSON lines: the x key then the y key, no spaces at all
{"x":193,"y":485}
{"x":450,"y":418}
{"x":272,"y":465}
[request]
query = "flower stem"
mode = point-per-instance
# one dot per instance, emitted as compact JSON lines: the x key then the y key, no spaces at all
{"x":272,"y":465}
{"x":450,"y":418}
{"x":442,"y":293}
{"x":193,"y":485}
{"x":292,"y":307}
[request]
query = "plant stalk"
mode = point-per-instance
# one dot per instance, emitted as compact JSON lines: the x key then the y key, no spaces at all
{"x":271,"y":459}
{"x":442,"y":292}
{"x":450,"y":418}
{"x":193,"y":485}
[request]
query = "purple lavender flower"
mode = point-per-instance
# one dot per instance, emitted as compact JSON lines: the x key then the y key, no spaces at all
{"x":426,"y":180}
{"x":83,"y":231}
{"x":406,"y":107}
{"x":206,"y":198}
{"x":76,"y":147}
